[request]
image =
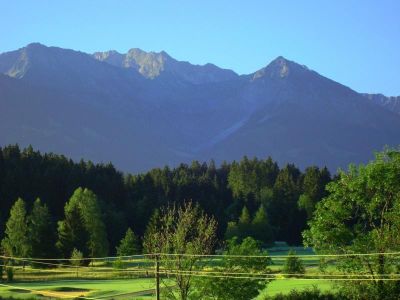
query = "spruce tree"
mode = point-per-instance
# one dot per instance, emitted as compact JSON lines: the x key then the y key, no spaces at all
{"x":72,"y":233}
{"x":41,"y":231}
{"x":261,"y":228}
{"x":244,"y":224}
{"x":129,"y":245}
{"x":16,"y":241}
{"x":244,"y":216}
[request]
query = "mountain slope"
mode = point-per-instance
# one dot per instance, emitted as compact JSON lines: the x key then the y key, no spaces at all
{"x":141,"y":110}
{"x":304,"y":117}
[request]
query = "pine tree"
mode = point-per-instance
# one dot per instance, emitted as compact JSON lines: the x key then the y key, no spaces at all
{"x":129,"y":245}
{"x":41,"y":231}
{"x":72,"y":233}
{"x":261,"y":228}
{"x":76,"y":258}
{"x":16,"y":241}
{"x":244,"y":224}
{"x":244,"y":216}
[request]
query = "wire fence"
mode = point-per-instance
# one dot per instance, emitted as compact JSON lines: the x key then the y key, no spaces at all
{"x":62,"y":277}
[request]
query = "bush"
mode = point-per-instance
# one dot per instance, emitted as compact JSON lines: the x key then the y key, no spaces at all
{"x":10,"y":274}
{"x":118,"y":264}
{"x":308,"y":294}
{"x":293,"y":264}
{"x":76,"y":258}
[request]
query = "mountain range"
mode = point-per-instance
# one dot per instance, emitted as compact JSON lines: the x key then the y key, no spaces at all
{"x":141,"y":110}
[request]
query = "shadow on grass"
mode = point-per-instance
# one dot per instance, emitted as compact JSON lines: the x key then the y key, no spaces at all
{"x":21,"y":291}
{"x":69,"y":289}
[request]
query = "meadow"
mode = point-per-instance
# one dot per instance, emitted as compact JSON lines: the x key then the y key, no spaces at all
{"x":134,"y":278}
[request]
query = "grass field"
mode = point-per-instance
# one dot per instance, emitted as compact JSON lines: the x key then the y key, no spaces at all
{"x":122,"y":289}
{"x":101,"y":281}
{"x":285,"y":286}
{"x":74,"y":288}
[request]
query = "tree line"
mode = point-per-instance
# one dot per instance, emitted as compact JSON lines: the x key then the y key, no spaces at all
{"x":358,"y":218}
{"x":251,"y":197}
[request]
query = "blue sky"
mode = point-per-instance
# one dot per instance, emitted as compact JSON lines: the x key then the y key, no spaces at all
{"x":356,"y":43}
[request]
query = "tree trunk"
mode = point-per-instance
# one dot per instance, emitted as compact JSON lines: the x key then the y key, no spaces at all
{"x":381,"y":272}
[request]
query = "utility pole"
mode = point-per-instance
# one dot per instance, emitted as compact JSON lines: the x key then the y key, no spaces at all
{"x":157,"y":274}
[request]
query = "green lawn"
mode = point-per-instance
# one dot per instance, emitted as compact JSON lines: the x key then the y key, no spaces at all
{"x":90,"y":288}
{"x":285,"y":286}
{"x":105,"y":282}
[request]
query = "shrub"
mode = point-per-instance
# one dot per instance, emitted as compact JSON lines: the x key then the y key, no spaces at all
{"x":293,"y":264}
{"x":76,"y":258}
{"x":118,"y":264}
{"x":308,"y":294}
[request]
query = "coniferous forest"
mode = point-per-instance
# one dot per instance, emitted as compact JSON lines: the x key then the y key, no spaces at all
{"x":58,"y":197}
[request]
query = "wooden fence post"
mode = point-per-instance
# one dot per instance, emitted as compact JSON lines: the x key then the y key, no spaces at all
{"x":157,"y":274}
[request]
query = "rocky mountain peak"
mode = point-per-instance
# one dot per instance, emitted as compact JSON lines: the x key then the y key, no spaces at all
{"x":280,"y":67}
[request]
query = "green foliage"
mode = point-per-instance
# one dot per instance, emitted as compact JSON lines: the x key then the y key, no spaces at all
{"x":250,"y":176}
{"x":309,"y":294}
{"x":361,"y":215}
{"x":72,"y":233}
{"x":76,"y":258}
{"x":129,"y":245}
{"x":258,"y":228}
{"x":232,"y":230}
{"x":245,"y":216}
{"x":30,"y":174}
{"x":16,"y":241}
{"x":283,"y":209}
{"x":1,"y":271}
{"x":130,"y":200}
{"x":83,"y":225}
{"x":307,"y":204}
{"x":261,"y":227}
{"x":293,"y":264}
{"x":314,"y":183}
{"x":119,"y":264}
{"x":181,"y":230}
{"x":231,"y":288}
{"x":41,"y":231}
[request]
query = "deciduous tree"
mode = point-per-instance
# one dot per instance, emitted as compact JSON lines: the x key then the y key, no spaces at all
{"x":237,"y":258}
{"x":180,"y":235}
{"x":362,"y":215}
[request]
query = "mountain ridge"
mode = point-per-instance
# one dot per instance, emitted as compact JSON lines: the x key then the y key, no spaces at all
{"x":145,"y":109}
{"x":153,"y":64}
